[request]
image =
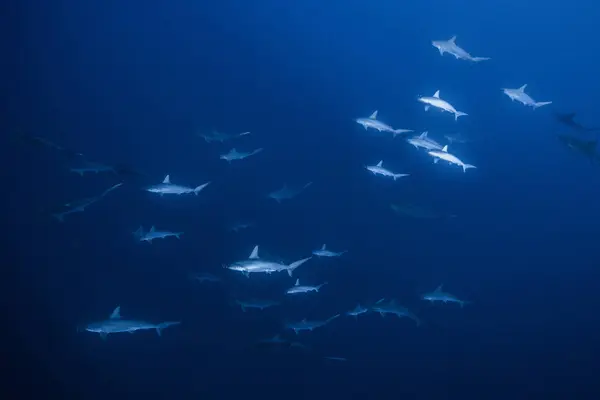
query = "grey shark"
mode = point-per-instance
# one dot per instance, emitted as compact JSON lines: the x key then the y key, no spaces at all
{"x":299,"y":289}
{"x":306,"y":325}
{"x":523,"y":98}
{"x":215,"y":136}
{"x":254,"y":264}
{"x":287,"y":192}
{"x":568,"y":119}
{"x":378,"y":169}
{"x":166,"y":187}
{"x":424,"y":142}
{"x":456,"y":138}
{"x":392,"y":308}
{"x":443,"y":105}
{"x":373,"y":123}
{"x":234,"y":155}
{"x":152,"y":234}
{"x":115,"y":324}
{"x":205,"y":277}
{"x":587,"y":148}
{"x":450,"y":47}
{"x":81,"y":204}
{"x":324,"y":252}
{"x":258,"y":304}
{"x":438,"y":295}
{"x":358,"y":310}
{"x":95,"y":168}
{"x":451,"y":158}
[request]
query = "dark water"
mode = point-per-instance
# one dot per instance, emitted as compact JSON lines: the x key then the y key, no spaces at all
{"x":131,"y":84}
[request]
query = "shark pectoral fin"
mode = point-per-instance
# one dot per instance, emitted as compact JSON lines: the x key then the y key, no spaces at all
{"x":435,"y":160}
{"x":427,"y":108}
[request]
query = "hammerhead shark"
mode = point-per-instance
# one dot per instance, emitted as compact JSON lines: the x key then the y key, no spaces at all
{"x":586,"y":148}
{"x":568,"y":119}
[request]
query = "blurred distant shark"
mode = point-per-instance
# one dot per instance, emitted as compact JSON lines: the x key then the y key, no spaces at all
{"x":568,"y":119}
{"x":154,"y":234}
{"x":439,"y":295}
{"x":234,"y":155}
{"x":425,"y":142}
{"x":215,"y":136}
{"x":287,"y":192}
{"x":450,"y":47}
{"x":587,"y":148}
{"x":523,"y":98}
{"x":392,"y":308}
{"x":306,"y":325}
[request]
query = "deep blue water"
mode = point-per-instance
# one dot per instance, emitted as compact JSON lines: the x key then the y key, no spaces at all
{"x":133,"y":83}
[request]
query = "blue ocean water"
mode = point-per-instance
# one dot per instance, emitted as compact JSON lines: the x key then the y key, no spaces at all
{"x":133,"y":85}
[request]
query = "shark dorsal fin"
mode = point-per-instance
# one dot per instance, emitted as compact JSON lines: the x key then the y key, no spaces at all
{"x":439,"y":288}
{"x":452,"y":39}
{"x":423,"y":135}
{"x":374,"y":115}
{"x":297,"y":282}
{"x":116,"y":314}
{"x":324,"y":247}
{"x":445,"y":149}
{"x":167,"y":179}
{"x":436,"y":94}
{"x":254,"y":254}
{"x":152,"y":228}
{"x":522,"y":88}
{"x":380,"y":163}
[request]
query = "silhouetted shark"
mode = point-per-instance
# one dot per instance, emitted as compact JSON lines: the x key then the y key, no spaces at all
{"x":122,"y":170}
{"x":584,"y":147}
{"x":568,"y":119}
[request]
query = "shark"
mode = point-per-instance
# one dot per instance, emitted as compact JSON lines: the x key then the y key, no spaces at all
{"x":450,"y":47}
{"x":436,"y":102}
{"x":258,"y":304}
{"x":392,"y":308}
{"x":378,"y":169}
{"x":373,"y":123}
{"x":166,"y":187}
{"x":254,"y":264}
{"x":424,"y":142}
{"x":568,"y":119}
{"x":439,"y":295}
{"x":234,"y":155}
{"x":299,"y":289}
{"x":456,"y":138}
{"x":81,"y":204}
{"x":205,"y":277}
{"x":306,"y":325}
{"x":324,"y":252}
{"x":286,"y":192}
{"x":220,"y":137}
{"x":358,"y":310}
{"x":587,"y":148}
{"x":523,"y":98}
{"x":152,"y":234}
{"x":115,"y":324}
{"x":91,"y":167}
{"x":451,"y":158}
{"x":241,"y":226}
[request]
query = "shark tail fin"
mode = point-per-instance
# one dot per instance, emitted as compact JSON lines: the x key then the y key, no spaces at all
{"x":296,"y":264}
{"x":163,"y":325}
{"x":465,"y":167}
{"x":197,"y":189}
{"x":541,"y":103}
{"x":478,"y":59}
{"x":459,"y":114}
